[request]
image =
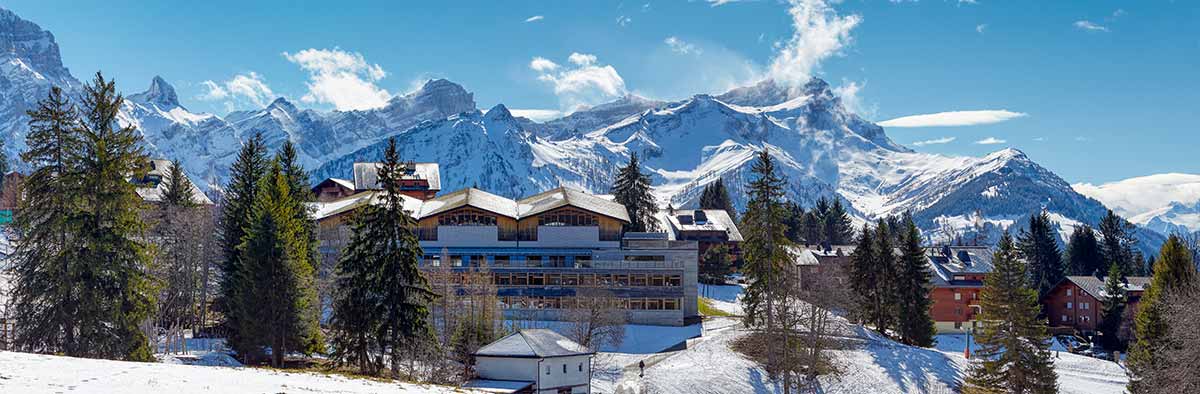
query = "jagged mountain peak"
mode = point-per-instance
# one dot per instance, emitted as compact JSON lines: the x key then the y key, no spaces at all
{"x":282,"y":104}
{"x":26,"y":41}
{"x":160,"y":92}
{"x":497,"y":113}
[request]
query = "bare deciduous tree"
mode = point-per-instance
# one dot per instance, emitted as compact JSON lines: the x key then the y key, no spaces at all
{"x":595,"y":319}
{"x":1180,"y":353}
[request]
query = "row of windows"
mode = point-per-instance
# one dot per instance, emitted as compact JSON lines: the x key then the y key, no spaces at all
{"x":650,"y":304}
{"x":568,"y":218}
{"x":510,"y":261}
{"x":467,"y":217}
{"x":587,"y":280}
{"x":1082,"y":305}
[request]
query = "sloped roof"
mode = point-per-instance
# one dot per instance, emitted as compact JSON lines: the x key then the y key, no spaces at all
{"x":154,"y":191}
{"x":366,"y":175}
{"x":949,"y":261}
{"x":322,"y":210}
{"x":1095,"y":286}
{"x":562,"y":196}
{"x":469,"y":197}
{"x":717,"y":220}
{"x":346,"y":183}
{"x":533,"y":343}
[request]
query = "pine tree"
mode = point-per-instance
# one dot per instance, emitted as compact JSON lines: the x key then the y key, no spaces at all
{"x":886,"y":297}
{"x":794,"y":222}
{"x":115,"y":292}
{"x":715,"y":264}
{"x":1112,"y":308}
{"x":247,"y":170}
{"x":1117,"y":244}
{"x":180,"y":192}
{"x":1173,"y":270}
{"x":632,"y":189}
{"x":1039,"y":248}
{"x":765,"y":247}
{"x":300,"y":195}
{"x":278,"y":273}
{"x":811,"y":227}
{"x":356,"y":302}
{"x":44,"y":298}
{"x":3,"y":164}
{"x":864,"y":275}
{"x":916,"y":324}
{"x":838,"y":230}
{"x":1013,"y":353}
{"x":716,"y":196}
{"x":1083,"y":252}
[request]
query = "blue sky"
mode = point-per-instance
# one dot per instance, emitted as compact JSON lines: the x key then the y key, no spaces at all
{"x":1095,"y":90}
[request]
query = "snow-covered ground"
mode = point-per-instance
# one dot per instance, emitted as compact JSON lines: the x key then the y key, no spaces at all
{"x":726,"y":298}
{"x":34,"y":374}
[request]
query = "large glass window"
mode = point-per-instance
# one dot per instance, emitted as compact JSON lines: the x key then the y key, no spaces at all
{"x":500,"y":261}
{"x":537,"y":280}
{"x":467,"y":217}
{"x":587,"y":280}
{"x":567,"y":217}
{"x":657,"y":280}
{"x":638,"y":280}
{"x":671,"y":304}
{"x":533,"y":261}
{"x":570,"y":280}
{"x":553,"y":279}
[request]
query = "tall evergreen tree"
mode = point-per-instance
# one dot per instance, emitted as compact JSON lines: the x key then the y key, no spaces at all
{"x":3,"y":164}
{"x":632,"y":189}
{"x":1117,"y":244}
{"x":794,"y":222}
{"x":180,"y":192}
{"x":247,"y":170}
{"x":1013,"y":355}
{"x":812,"y":225}
{"x":300,"y":197}
{"x":44,"y":293}
{"x":1173,"y":270}
{"x":864,"y":276}
{"x":838,"y":229}
{"x":716,"y":196}
{"x":1112,"y":311}
{"x":916,"y":324}
{"x":1039,"y":247}
{"x":115,"y":291}
{"x":1083,"y":252}
{"x":715,"y":264}
{"x":278,"y":273}
{"x":886,"y":294}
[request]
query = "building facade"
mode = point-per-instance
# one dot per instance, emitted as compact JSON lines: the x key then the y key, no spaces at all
{"x":1076,"y":302}
{"x":957,"y":280}
{"x":708,"y":227}
{"x":533,"y":361}
{"x":543,"y":251}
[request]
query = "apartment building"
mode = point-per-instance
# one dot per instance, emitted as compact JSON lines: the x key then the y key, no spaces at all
{"x":1077,"y":302}
{"x":957,"y":280}
{"x":544,"y":251}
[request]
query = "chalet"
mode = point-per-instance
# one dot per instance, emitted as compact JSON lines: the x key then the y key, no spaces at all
{"x":957,"y":280}
{"x":708,"y":227}
{"x":822,"y":264}
{"x":333,"y":189}
{"x":8,"y":196}
{"x":542,"y":250}
{"x":151,"y":187}
{"x":1075,"y":302}
{"x":533,"y":361}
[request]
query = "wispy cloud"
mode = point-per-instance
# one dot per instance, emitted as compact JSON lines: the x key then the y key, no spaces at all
{"x":680,"y":46}
{"x":980,"y":28}
{"x":935,"y":141}
{"x":540,"y":115}
{"x":848,"y":92}
{"x":1087,"y":25}
{"x":243,"y":89}
{"x":624,"y":20}
{"x":718,"y":3}
{"x":584,"y":82}
{"x":953,"y":118}
{"x":343,"y":79}
{"x":990,"y":141}
{"x":534,"y":18}
{"x":819,"y":32}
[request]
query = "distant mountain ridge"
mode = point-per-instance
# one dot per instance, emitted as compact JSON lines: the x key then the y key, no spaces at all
{"x":823,"y":149}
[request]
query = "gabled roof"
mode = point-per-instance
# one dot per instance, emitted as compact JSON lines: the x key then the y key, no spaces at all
{"x":562,"y":196}
{"x":366,"y":175}
{"x":346,"y":183}
{"x":950,"y":261}
{"x":153,"y":190}
{"x":533,"y":343}
{"x":469,"y":197}
{"x":322,"y":210}
{"x":1094,"y":286}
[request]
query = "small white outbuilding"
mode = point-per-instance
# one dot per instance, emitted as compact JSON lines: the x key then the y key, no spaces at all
{"x":533,"y":361}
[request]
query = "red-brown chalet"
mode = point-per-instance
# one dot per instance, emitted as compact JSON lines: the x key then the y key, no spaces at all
{"x":419,"y":180}
{"x":958,"y":273}
{"x":1076,"y":301}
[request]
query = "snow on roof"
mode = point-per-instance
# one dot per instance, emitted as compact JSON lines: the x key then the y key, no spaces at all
{"x":497,"y":386}
{"x":563,"y":196}
{"x":533,"y":343}
{"x":715,"y":220}
{"x":346,"y":183}
{"x":322,"y":210}
{"x":366,"y":175}
{"x":153,"y":186}
{"x":470,"y":197}
{"x":1095,"y":286}
{"x":950,"y":261}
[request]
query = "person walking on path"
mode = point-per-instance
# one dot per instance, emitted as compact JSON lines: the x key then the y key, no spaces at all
{"x":642,"y":369}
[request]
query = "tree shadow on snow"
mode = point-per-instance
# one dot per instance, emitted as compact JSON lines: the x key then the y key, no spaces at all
{"x":910,"y":368}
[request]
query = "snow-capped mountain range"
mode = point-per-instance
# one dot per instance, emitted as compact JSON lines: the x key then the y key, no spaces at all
{"x":1165,"y":203}
{"x":821,"y":147}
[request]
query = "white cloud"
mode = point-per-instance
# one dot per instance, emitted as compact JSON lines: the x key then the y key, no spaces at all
{"x":961,"y":2}
{"x":990,"y":141}
{"x":935,"y":141}
{"x":540,"y":115}
{"x":980,"y":28}
{"x":243,"y":89}
{"x":343,"y":79}
{"x":848,"y":92}
{"x":585,"y":83}
{"x":953,"y":118}
{"x":1040,"y":139}
{"x":582,"y":59}
{"x":541,"y":64}
{"x":534,"y":18}
{"x":1144,"y":195}
{"x":718,"y":3}
{"x":819,"y":33}
{"x":624,"y":20}
{"x":1087,"y":25}
{"x":681,"y":46}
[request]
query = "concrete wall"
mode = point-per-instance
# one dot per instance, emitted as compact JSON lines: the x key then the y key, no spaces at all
{"x":569,"y":237}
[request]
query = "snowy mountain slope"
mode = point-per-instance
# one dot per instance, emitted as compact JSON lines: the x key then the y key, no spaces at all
{"x":1165,"y":203}
{"x":29,"y":65}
